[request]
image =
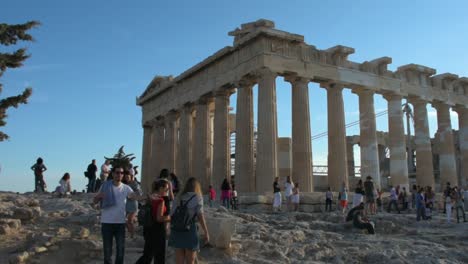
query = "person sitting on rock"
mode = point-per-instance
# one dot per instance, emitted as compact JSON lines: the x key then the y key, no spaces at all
{"x":361,"y":222}
{"x":64,"y":188}
{"x":351,"y":212}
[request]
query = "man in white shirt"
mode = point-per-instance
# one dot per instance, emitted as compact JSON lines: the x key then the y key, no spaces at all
{"x":113,"y":196}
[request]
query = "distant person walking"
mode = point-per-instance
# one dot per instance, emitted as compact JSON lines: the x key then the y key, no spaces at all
{"x":295,"y":197}
{"x":459,"y":203}
{"x":211,"y":195}
{"x":226,"y":193}
{"x":369,"y":189}
{"x":39,"y":168}
{"x":449,"y":201}
{"x":343,"y":197}
{"x":113,"y":196}
{"x":358,"y":194}
{"x":393,"y":200}
{"x":105,"y":170}
{"x":288,"y":191}
{"x":175,"y":183}
{"x":234,"y":198}
{"x":91,"y":174}
{"x":186,"y":242}
{"x":276,"y":195}
{"x":328,"y":200}
{"x":420,"y":205}
{"x":131,"y":206}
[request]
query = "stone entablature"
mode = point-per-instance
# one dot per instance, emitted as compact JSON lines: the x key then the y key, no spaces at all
{"x":283,"y":52}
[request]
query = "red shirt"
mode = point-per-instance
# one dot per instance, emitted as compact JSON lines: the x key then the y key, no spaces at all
{"x":154,"y":207}
{"x":212,"y":194}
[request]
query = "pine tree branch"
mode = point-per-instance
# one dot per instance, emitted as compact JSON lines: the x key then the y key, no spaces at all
{"x":10,"y":34}
{"x":12,"y":60}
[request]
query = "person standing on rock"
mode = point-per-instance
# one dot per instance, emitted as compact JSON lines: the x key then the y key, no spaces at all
{"x":328,"y":200}
{"x":420,"y":206}
{"x":226,"y":193}
{"x":369,"y":189}
{"x":131,"y":206}
{"x":91,"y":172}
{"x":187,"y":242}
{"x":358,"y":194}
{"x":276,"y":195}
{"x":211,"y":195}
{"x":39,"y":168}
{"x":288,"y":192}
{"x":155,"y":234}
{"x":113,"y":196}
{"x":393,"y":200}
{"x":295,"y":197}
{"x":343,"y":197}
{"x":459,"y":203}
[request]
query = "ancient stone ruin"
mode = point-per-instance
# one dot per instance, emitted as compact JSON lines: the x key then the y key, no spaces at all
{"x":176,"y":114}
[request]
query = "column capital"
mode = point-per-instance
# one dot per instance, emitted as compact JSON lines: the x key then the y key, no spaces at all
{"x":204,"y":99}
{"x":264,"y":72}
{"x":460,"y":109}
{"x":172,"y":115}
{"x":295,"y":79}
{"x":332,"y":85}
{"x":392,"y":96}
{"x":362,"y":91}
{"x":224,"y":91}
{"x":440,"y":106}
{"x":248,"y":80}
{"x":414,"y":100}
{"x":147,"y":125}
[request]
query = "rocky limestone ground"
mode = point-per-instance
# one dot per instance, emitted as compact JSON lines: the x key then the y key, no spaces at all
{"x":41,"y":228}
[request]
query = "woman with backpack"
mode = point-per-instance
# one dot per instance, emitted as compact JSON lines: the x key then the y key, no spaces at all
{"x":155,"y":233}
{"x":184,"y":231}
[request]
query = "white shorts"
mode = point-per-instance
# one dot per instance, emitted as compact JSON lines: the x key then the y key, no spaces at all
{"x":295,"y":198}
{"x":277,"y":199}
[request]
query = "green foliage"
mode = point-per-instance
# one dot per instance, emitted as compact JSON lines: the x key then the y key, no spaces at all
{"x":121,"y":159}
{"x":10,"y":35}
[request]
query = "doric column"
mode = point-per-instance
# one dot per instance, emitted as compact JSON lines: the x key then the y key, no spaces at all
{"x":184,"y":170}
{"x":422,"y":139}
{"x":266,"y":166}
{"x":369,"y":153}
{"x":244,"y":170}
{"x":447,"y":162}
{"x":397,"y":142}
{"x":337,"y":160}
{"x":171,"y":140}
{"x":463,"y":142}
{"x":350,"y":157}
{"x":146,"y":157}
{"x":158,"y":156}
{"x":201,"y":148}
{"x":221,"y":141}
{"x":301,"y":138}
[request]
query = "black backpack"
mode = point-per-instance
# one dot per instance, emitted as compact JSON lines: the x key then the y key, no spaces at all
{"x":181,"y":220}
{"x":145,"y":217}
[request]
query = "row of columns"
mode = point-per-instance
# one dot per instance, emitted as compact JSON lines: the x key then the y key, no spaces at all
{"x":189,"y":152}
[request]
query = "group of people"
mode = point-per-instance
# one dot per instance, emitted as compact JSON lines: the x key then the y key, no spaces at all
{"x":291,"y":193}
{"x":365,"y":193}
{"x":228,"y":196}
{"x":177,"y":224}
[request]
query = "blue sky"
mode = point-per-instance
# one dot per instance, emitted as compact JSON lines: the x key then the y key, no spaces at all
{"x":91,"y":59}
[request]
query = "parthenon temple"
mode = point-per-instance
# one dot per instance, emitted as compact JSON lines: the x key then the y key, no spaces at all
{"x":179,"y":135}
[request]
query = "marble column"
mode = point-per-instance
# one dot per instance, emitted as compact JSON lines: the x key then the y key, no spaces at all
{"x":337,"y":160}
{"x":221,"y":141}
{"x":244,"y":166}
{"x":158,"y":149}
{"x":146,"y":157}
{"x":447,"y":162}
{"x":397,"y":142}
{"x":368,"y":139}
{"x":171,"y":140}
{"x":463,"y":143}
{"x":267,"y":163}
{"x":350,"y":157}
{"x":301,"y":137}
{"x":184,"y":170}
{"x":201,"y":147}
{"x":422,"y":140}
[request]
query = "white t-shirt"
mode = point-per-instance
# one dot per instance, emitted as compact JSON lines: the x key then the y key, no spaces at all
{"x":116,"y":214}
{"x":288,"y":188}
